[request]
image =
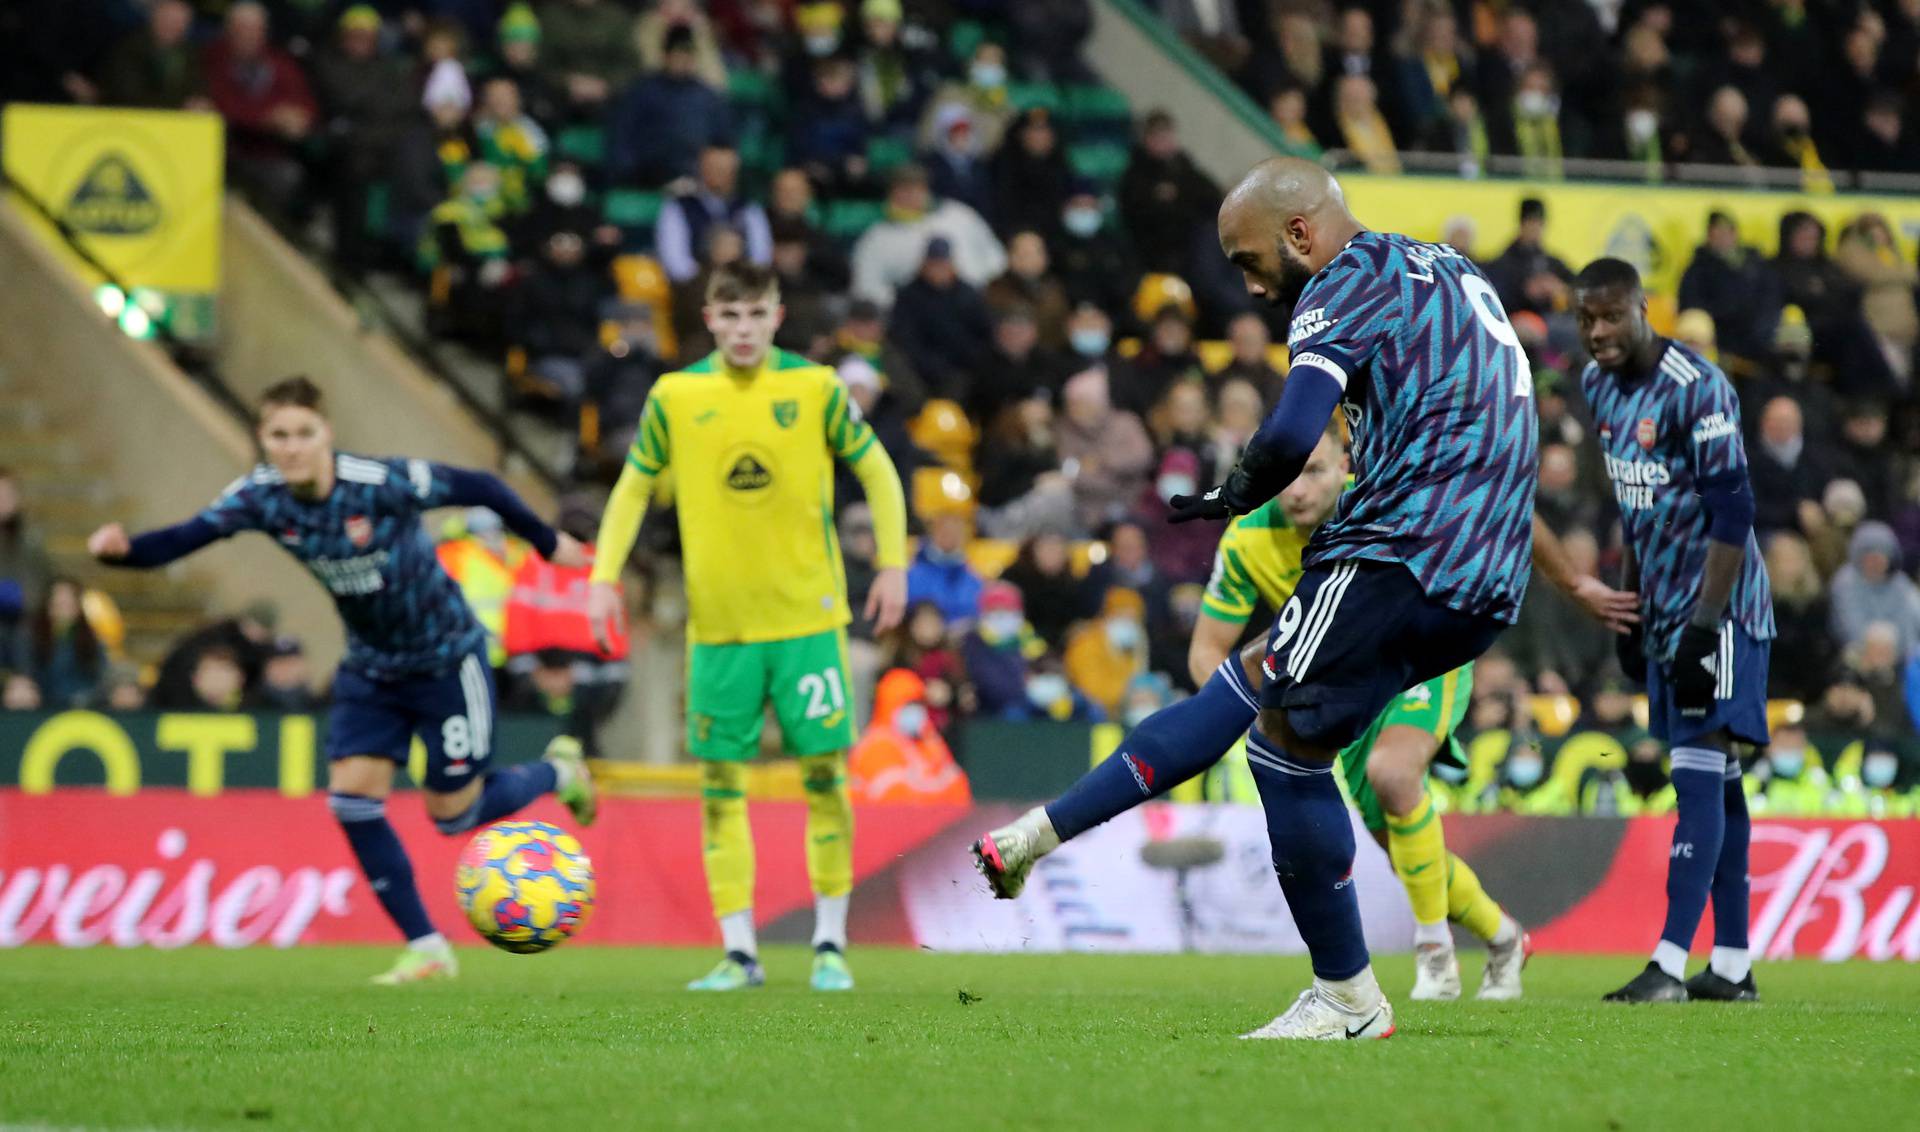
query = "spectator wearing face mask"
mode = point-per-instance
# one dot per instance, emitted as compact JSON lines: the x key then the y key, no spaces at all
{"x":1052,"y":698}
{"x":902,"y":760}
{"x":1103,"y":655}
{"x":1870,"y":588}
{"x":999,"y":650}
{"x":1790,"y":781}
{"x":1884,"y":788}
{"x":1097,"y":266}
{"x":983,"y":93}
{"x":1182,"y":553}
{"x":1525,"y":787}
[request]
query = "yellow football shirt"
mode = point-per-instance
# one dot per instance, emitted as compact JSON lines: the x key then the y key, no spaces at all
{"x":753,"y":480}
{"x":1258,"y":560}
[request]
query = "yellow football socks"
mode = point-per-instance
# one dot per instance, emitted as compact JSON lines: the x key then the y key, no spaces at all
{"x":726,"y":837}
{"x":1467,"y":903}
{"x":1419,"y":853}
{"x":829,"y":824}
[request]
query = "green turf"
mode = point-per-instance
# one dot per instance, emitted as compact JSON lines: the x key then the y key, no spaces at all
{"x":592,"y":1038}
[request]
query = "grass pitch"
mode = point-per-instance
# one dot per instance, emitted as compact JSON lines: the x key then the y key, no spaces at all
{"x":602,"y":1038}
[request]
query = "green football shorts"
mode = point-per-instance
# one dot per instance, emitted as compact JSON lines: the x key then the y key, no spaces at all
{"x":1436,"y":706}
{"x":805,"y":678}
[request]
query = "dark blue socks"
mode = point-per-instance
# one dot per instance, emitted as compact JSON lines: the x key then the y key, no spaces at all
{"x":1699,"y":776}
{"x":505,"y":791}
{"x":1170,"y":746}
{"x":382,"y":859}
{"x":1312,"y":855}
{"x":1730,"y":876}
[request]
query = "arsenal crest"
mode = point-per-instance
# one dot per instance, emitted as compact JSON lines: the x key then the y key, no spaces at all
{"x":1647,"y":433}
{"x":359,"y":530}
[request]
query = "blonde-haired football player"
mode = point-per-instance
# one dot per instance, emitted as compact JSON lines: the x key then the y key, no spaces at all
{"x":751,"y":434}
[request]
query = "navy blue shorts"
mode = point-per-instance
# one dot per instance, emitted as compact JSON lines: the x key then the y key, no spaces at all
{"x":452,"y":713}
{"x":1739,"y":696}
{"x":1354,"y":635}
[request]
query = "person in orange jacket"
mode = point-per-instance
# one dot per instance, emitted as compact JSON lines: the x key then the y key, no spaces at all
{"x":902,"y":759}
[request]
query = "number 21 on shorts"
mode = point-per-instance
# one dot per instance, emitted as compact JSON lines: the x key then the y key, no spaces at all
{"x":824,"y":693}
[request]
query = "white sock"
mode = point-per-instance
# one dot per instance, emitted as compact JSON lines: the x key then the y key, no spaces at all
{"x":434,"y":942}
{"x":1436,"y":934}
{"x":1672,"y":959}
{"x":1731,"y":963}
{"x":736,"y":933}
{"x":1036,"y":822}
{"x":1361,"y":992}
{"x":1507,"y":932}
{"x":830,"y":921}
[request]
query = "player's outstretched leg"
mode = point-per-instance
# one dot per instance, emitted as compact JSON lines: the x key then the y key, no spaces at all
{"x":829,"y":866}
{"x":1169,"y":747}
{"x":1729,"y":975}
{"x":383,"y":861}
{"x":728,"y":841}
{"x":1313,"y":857}
{"x":1699,"y":774}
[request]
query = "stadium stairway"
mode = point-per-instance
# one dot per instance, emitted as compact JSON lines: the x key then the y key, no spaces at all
{"x":103,"y":427}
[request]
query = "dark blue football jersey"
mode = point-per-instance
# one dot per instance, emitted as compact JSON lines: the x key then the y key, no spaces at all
{"x":366,"y":544}
{"x":1445,"y":431}
{"x":1661,"y":434}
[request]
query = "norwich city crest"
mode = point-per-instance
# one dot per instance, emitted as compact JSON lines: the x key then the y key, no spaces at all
{"x":111,"y":200}
{"x":785,"y":413}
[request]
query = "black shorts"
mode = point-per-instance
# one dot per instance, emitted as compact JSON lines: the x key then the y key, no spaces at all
{"x":1354,"y":635}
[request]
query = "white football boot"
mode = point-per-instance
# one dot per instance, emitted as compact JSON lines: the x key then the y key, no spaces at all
{"x":1325,"y":1011}
{"x":1436,"y":973}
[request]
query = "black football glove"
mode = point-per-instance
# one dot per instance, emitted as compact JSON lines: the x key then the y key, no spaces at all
{"x":1246,"y":488}
{"x":1696,"y":670}
{"x":1630,"y":649}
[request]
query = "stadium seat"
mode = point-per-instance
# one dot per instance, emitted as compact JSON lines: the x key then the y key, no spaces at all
{"x":640,"y":279}
{"x":1157,"y":290}
{"x":1554,"y":716}
{"x":846,"y":219}
{"x":1102,"y":161}
{"x":749,"y":88}
{"x":103,"y":616}
{"x":1024,"y":96}
{"x":1097,"y":114}
{"x":941,"y":491}
{"x":943,"y":429}
{"x":964,"y":36}
{"x":885,"y":154}
{"x":585,"y":144}
{"x":631,"y":208}
{"x":990,"y":557}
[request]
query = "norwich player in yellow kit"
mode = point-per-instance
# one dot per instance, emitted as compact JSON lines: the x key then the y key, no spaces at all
{"x":751,"y":434}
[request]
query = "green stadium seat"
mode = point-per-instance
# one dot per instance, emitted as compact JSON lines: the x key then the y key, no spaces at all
{"x":761,"y":152}
{"x":1095,"y":104}
{"x":846,"y":219}
{"x":965,"y":36}
{"x":886,"y":154}
{"x":1024,"y":96}
{"x":631,"y":208}
{"x":585,"y":144}
{"x":748,"y":87}
{"x":1102,"y":161}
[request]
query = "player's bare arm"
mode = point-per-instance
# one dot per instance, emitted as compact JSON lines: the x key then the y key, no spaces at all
{"x":1618,"y":610}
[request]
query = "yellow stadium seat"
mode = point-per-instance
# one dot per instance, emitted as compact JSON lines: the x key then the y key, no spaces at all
{"x":641,"y":279}
{"x":941,"y":491}
{"x":1159,"y":290}
{"x":104,"y":618}
{"x":1084,"y":556}
{"x":942,"y":428}
{"x":1554,"y":715}
{"x":990,"y":557}
{"x":1785,"y":713}
{"x":1214,"y":354}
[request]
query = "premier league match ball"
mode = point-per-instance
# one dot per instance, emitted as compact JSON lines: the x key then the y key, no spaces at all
{"x":525,"y":885}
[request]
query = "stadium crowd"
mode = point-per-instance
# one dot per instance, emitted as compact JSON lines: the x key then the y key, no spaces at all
{"x":1017,"y":279}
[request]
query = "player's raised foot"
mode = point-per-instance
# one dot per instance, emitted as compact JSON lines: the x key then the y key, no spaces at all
{"x":1006,"y":856}
{"x":1650,"y":985}
{"x":420,"y":965}
{"x":574,"y":779}
{"x":830,"y":970}
{"x":1505,"y":961}
{"x":1436,"y":973}
{"x":1711,"y":986}
{"x":1326,"y":1012}
{"x":738,"y":971}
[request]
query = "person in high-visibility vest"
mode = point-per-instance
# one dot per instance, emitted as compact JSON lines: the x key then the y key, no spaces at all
{"x":481,"y":559}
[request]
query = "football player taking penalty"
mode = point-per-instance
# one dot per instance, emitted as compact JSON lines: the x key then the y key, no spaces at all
{"x":416,"y":662}
{"x":1421,"y":567}
{"x":751,"y":434}
{"x":1669,"y":428}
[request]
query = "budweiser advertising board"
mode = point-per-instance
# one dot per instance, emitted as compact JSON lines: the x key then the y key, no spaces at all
{"x":162,"y":868}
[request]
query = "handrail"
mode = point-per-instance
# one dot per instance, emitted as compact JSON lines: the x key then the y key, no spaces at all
{"x":1588,"y":170}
